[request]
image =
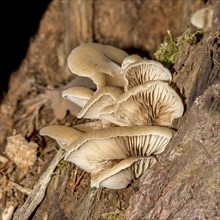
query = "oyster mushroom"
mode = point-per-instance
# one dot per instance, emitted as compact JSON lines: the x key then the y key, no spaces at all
{"x":62,"y":134}
{"x":121,"y":174}
{"x":78,"y":95}
{"x":151,"y":103}
{"x":128,"y":60}
{"x":102,"y":99}
{"x":141,"y":71}
{"x":99,"y":149}
{"x":99,"y":62}
{"x":198,"y":18}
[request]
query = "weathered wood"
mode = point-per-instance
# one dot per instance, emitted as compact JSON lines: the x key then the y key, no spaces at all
{"x":170,"y":191}
{"x":186,"y":183}
{"x":38,"y":193}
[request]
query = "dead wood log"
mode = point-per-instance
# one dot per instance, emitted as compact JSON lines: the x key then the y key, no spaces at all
{"x":185,"y":184}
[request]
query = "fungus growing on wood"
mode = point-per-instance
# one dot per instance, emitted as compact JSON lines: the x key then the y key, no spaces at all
{"x":142,"y":71}
{"x":198,"y":18}
{"x":99,"y":62}
{"x":115,"y":156}
{"x":62,"y":134}
{"x":103,"y":149}
{"x":128,"y":60}
{"x":151,"y":103}
{"x":78,"y":95}
{"x":121,"y":174}
{"x":101,"y":99}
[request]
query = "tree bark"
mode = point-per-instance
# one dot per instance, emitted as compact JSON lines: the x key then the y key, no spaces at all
{"x":184,"y":184}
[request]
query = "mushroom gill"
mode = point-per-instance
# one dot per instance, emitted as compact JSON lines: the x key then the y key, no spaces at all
{"x":142,"y":71}
{"x":101,"y":99}
{"x":151,"y":103}
{"x":121,"y":174}
{"x":133,"y":108}
{"x":100,"y":150}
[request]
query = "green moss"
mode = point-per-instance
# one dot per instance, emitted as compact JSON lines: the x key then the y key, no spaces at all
{"x":171,"y":48}
{"x":60,"y":166}
{"x":117,"y":214}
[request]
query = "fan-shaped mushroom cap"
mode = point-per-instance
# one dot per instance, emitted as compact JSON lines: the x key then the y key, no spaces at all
{"x":142,"y":71}
{"x":78,"y":95}
{"x":198,"y":17}
{"x":103,"y":98}
{"x":154,"y":102}
{"x":99,"y":62}
{"x":62,"y":134}
{"x":94,"y":125}
{"x":98,"y":149}
{"x":128,"y":60}
{"x":121,"y":174}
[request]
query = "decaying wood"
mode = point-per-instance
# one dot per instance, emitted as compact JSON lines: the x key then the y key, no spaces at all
{"x":185,"y":184}
{"x":38,"y":193}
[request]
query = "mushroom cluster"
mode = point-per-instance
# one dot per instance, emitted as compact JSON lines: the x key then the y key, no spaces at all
{"x":132,"y":111}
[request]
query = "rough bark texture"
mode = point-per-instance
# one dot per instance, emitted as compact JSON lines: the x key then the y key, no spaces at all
{"x":185,"y":182}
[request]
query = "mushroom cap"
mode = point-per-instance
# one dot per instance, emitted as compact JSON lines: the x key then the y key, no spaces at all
{"x":197,"y":19}
{"x":97,"y":149}
{"x":128,"y":60}
{"x":122,"y":173}
{"x":151,"y":103}
{"x":78,"y":95}
{"x":93,"y":125}
{"x":142,"y":71}
{"x":99,"y":62}
{"x":62,"y":134}
{"x":101,"y":99}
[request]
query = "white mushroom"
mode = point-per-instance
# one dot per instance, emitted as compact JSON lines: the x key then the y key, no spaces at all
{"x":78,"y":95}
{"x":151,"y":103}
{"x":121,"y":174}
{"x":99,"y":62}
{"x":62,"y":134}
{"x":98,"y":149}
{"x":101,"y":99}
{"x":128,"y":60}
{"x":142,"y":71}
{"x":198,"y":18}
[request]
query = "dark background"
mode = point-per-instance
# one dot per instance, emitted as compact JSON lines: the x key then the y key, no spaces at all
{"x":19,"y":21}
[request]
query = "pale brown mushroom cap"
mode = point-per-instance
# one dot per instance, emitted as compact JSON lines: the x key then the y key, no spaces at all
{"x":151,"y":103}
{"x":99,"y":62}
{"x":96,"y":150}
{"x":78,"y":95}
{"x":198,"y":18}
{"x":101,"y":99}
{"x":142,"y":71}
{"x":121,"y":174}
{"x":62,"y":134}
{"x":128,"y":60}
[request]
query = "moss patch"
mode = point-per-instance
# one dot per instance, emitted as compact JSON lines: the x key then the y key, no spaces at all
{"x":171,"y":48}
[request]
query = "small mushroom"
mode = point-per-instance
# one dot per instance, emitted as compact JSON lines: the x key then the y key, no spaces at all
{"x":101,"y":99}
{"x":62,"y":134}
{"x":128,"y":60}
{"x":99,"y":62}
{"x":142,"y":71}
{"x":121,"y":174}
{"x":151,"y":103}
{"x":78,"y":95}
{"x":198,"y":18}
{"x":98,"y":149}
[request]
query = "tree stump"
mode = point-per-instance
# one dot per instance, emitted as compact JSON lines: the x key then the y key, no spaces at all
{"x":184,"y":184}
